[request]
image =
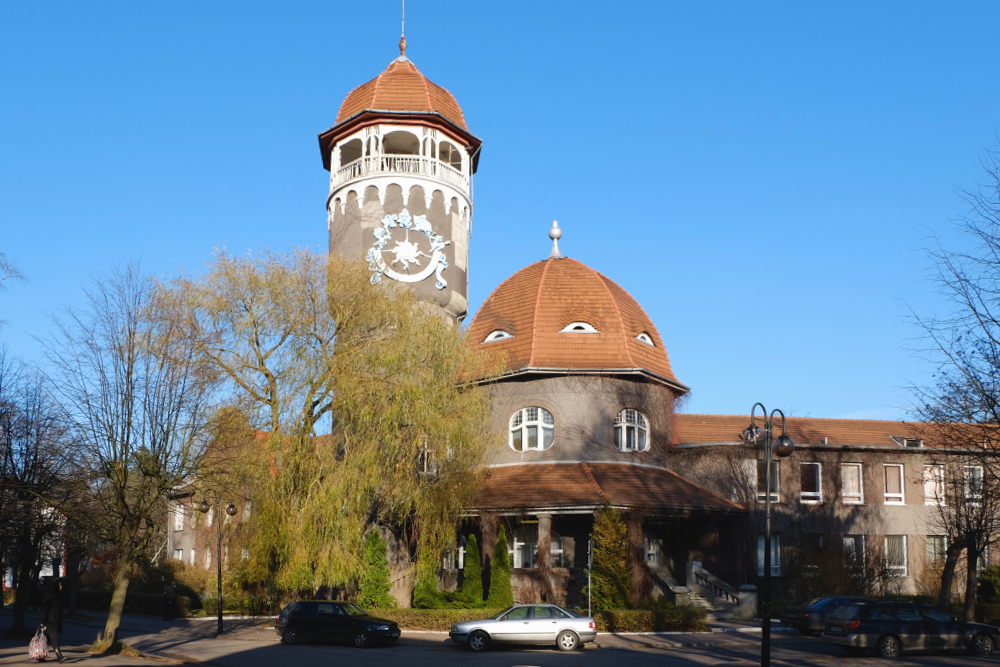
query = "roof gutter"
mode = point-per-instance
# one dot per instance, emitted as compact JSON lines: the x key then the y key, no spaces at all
{"x":683,"y":388}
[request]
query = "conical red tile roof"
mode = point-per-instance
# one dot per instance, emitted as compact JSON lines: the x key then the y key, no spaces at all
{"x":538,"y":302}
{"x":401,"y":87}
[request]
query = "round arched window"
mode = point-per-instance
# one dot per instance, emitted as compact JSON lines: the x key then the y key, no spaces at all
{"x":531,"y":429}
{"x":631,"y":431}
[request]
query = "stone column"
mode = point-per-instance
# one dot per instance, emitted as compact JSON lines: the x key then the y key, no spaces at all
{"x":747,"y":607}
{"x":544,"y":558}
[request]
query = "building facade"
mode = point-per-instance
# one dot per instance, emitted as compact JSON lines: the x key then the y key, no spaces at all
{"x":586,"y":402}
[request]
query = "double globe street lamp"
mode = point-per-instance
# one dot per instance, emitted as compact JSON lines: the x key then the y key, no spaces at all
{"x":781,"y":447}
{"x":203,"y":507}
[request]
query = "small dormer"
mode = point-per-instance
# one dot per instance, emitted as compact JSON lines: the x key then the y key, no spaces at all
{"x":579,"y":327}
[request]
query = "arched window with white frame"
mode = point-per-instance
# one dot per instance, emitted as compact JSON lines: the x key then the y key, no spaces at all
{"x":532,"y":429}
{"x":631,"y":431}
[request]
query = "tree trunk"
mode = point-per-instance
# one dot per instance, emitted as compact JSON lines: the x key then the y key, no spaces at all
{"x":948,"y":575}
{"x":971,"y":567}
{"x":110,"y":636}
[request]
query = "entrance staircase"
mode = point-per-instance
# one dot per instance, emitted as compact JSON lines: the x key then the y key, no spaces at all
{"x":703,"y":589}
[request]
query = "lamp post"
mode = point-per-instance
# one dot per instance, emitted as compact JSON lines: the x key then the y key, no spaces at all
{"x":231,"y":511}
{"x":782,"y":447}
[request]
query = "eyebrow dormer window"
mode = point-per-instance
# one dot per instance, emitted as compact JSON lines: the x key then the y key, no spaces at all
{"x":498,"y":334}
{"x":644,"y":338}
{"x":579,"y":327}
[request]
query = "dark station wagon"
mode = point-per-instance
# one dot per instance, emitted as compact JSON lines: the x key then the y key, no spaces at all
{"x":810,"y":618}
{"x":321,"y":620}
{"x":889,"y":628}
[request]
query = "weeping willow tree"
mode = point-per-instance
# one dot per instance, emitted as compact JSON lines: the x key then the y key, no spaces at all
{"x":359,"y":398}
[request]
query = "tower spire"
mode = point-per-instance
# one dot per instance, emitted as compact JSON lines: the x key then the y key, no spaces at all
{"x":402,"y":38}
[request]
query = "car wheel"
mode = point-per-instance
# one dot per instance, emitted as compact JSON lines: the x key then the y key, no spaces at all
{"x":889,"y":646}
{"x":362,"y":639}
{"x":855,"y":651}
{"x":290,"y":636}
{"x":479,"y":641}
{"x":567,"y":641}
{"x":981,"y":646}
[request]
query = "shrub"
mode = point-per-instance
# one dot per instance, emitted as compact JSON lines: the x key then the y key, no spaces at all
{"x":666,"y":618}
{"x":234,"y":604}
{"x":610,"y":577}
{"x":431,"y":619}
{"x":375,"y":584}
{"x":501,"y":594}
{"x":472,"y":586}
{"x":147,"y":604}
{"x":989,"y":584}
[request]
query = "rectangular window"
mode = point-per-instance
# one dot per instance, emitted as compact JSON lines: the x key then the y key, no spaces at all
{"x":211,"y":515}
{"x":192,"y":558}
{"x":179,"y":554}
{"x":762,"y":481}
{"x":973,"y":476}
{"x":935,"y":551}
{"x":208,"y":558}
{"x":854,"y":549}
{"x":775,"y":555}
{"x":933,"y":485}
{"x":893,"y":483}
{"x":179,"y":517}
{"x":812,"y":489}
{"x":895,"y":555}
{"x":651,"y":547}
{"x":851,"y":489}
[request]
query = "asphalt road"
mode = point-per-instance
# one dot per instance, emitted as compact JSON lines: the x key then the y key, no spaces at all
{"x":249,"y":645}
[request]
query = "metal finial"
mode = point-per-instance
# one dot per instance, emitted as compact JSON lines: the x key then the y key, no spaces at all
{"x":555,"y":234}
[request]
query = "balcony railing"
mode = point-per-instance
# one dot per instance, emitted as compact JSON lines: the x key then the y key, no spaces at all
{"x":417,"y":165}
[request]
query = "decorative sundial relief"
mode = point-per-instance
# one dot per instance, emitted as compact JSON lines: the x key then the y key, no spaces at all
{"x":405,"y":260}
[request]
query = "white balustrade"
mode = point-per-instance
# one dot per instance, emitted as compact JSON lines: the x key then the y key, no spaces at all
{"x":401,"y":164}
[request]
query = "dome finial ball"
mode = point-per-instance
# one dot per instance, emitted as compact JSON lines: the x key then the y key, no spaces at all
{"x":555,"y":233}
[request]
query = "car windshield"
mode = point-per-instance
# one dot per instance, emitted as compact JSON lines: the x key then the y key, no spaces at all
{"x":500,"y":613}
{"x":815,"y":602}
{"x":353,"y":610}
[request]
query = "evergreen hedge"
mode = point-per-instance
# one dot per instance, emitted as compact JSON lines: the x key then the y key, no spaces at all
{"x":667,"y":619}
{"x":375,"y":584}
{"x":472,"y":585}
{"x":147,"y":604}
{"x":501,"y":596}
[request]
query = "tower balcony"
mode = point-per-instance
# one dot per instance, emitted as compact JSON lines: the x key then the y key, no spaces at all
{"x":411,"y":165}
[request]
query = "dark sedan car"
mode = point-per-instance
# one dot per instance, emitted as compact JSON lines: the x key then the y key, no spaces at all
{"x":893,"y":627}
{"x":320,"y":620}
{"x":810,"y":618}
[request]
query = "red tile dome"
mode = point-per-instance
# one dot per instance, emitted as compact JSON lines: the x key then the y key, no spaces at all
{"x":401,"y":87}
{"x":561,"y":315}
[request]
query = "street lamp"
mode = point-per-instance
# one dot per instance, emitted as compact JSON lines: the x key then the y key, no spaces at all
{"x":203,"y":507}
{"x":782,"y":446}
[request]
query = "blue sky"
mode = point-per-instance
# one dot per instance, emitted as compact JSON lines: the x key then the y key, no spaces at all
{"x":762,"y":177}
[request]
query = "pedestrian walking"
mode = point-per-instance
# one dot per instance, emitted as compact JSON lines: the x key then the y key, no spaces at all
{"x":51,"y":616}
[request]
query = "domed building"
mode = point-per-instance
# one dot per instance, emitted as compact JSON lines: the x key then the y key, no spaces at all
{"x":585,"y":398}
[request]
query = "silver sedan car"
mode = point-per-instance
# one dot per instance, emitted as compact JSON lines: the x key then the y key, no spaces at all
{"x":527,"y":624}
